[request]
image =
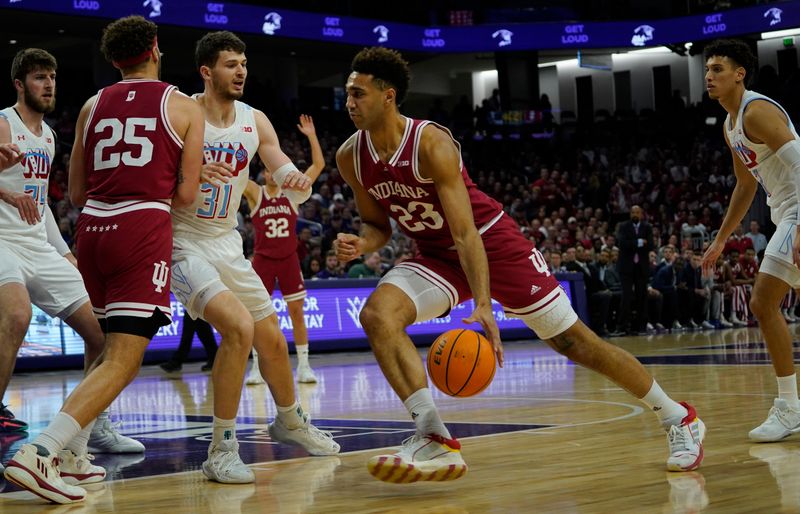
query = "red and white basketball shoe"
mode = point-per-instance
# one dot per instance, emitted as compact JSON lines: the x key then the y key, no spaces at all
{"x":686,"y":442}
{"x":421,"y":458}
{"x":33,"y":468}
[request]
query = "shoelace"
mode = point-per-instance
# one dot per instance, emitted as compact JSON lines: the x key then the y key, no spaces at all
{"x":321,"y":435}
{"x":229,"y":459}
{"x":677,"y":439}
{"x":409,"y":441}
{"x":781,"y":415}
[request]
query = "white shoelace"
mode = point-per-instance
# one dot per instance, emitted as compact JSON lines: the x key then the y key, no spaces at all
{"x":677,"y":439}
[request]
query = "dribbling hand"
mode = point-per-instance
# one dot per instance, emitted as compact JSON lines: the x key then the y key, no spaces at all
{"x":485,"y":317}
{"x":347,"y":247}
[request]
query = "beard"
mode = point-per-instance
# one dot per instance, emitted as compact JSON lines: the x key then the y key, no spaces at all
{"x":39,"y":105}
{"x":225,"y":93}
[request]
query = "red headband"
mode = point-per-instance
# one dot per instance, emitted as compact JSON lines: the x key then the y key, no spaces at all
{"x":136,"y":59}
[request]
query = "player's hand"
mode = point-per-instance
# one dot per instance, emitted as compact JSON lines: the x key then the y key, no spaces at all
{"x":217,"y":173}
{"x":24,"y":205}
{"x":296,"y":181}
{"x":710,"y":257}
{"x":347,"y":247}
{"x":306,"y":125}
{"x":485,"y":316}
{"x":71,"y":258}
{"x":796,"y":247}
{"x":10,"y":155}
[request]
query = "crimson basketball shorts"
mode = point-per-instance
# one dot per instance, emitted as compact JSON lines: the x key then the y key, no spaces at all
{"x":519,"y":280}
{"x":286,"y":271}
{"x":124,"y":256}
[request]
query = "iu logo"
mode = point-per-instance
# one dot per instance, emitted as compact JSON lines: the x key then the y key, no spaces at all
{"x":160,"y":275}
{"x":354,"y":309}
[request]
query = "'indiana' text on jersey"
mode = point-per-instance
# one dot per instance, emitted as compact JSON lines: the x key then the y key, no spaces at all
{"x":409,"y":197}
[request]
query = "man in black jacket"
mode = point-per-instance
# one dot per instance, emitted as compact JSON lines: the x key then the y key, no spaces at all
{"x":635,"y":240}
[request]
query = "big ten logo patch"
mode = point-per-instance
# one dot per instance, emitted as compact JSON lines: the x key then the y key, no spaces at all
{"x":36,"y":164}
{"x":232,"y":153}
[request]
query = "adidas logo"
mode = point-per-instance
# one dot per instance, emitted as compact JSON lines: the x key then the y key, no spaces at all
{"x":535,"y":289}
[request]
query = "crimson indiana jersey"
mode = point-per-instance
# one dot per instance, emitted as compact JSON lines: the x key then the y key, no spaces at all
{"x":275,"y":221}
{"x":411,"y":199}
{"x":131,"y":151}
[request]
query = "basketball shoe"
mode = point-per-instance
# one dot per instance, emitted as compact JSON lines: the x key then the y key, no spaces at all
{"x":421,"y":458}
{"x":8,"y":423}
{"x":78,"y":470}
{"x":105,"y":438}
{"x":686,"y":442}
{"x":34,"y":469}
{"x":224,"y":464}
{"x":305,"y":375}
{"x":254,"y":377}
{"x":782,"y":421}
{"x":312,"y":439}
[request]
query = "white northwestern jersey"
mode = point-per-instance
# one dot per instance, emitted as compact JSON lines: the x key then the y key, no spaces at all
{"x":31,"y":176}
{"x":213,"y":212}
{"x":766,"y":167}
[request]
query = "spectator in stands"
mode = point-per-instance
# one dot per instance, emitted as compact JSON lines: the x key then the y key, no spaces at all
{"x":332,"y":267}
{"x":664,"y":281}
{"x":693,"y":295}
{"x":371,"y":267}
{"x":759,"y":240}
{"x":635,"y":238}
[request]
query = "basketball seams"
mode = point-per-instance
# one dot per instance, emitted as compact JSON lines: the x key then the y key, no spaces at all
{"x":474,"y":364}
{"x":447,"y":368}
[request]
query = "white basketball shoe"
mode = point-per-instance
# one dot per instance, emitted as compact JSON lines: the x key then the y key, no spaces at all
{"x":686,"y":442}
{"x":782,"y":421}
{"x":254,"y":377}
{"x":105,"y":438}
{"x":421,"y":458}
{"x":34,"y":469}
{"x":78,"y":469}
{"x":312,"y":439}
{"x":305,"y":375}
{"x":224,"y":464}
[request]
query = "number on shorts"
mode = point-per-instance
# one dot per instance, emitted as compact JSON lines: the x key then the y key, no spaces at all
{"x":539,"y":263}
{"x":277,"y":228}
{"x":213,"y":201}
{"x":428,"y":217}
{"x":126,"y":133}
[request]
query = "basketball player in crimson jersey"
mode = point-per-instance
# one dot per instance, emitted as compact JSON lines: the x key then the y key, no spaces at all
{"x":212,"y":278}
{"x":274,"y":217}
{"x":138,"y":149}
{"x":411,"y":171}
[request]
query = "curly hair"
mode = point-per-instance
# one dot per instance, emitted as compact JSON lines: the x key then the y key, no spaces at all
{"x":127,"y":37}
{"x":387,"y":67}
{"x":207,"y":50}
{"x":737,"y":51}
{"x":31,"y":59}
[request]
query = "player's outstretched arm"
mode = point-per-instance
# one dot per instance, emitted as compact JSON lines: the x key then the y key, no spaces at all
{"x":252,"y":193}
{"x":296,"y":186}
{"x":375,"y":226}
{"x":78,"y":180}
{"x":306,"y":126}
{"x":741,"y":199}
{"x":187,"y":119}
{"x":439,"y":160}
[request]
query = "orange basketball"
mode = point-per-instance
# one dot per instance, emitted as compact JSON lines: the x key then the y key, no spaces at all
{"x":461,"y":362}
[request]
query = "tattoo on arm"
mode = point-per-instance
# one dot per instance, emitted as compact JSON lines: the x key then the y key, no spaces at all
{"x":561,"y":343}
{"x":180,"y":175}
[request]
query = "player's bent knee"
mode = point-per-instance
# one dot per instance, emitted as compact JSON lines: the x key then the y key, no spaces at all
{"x":554,"y":321}
{"x":373,"y":318}
{"x":17,"y":320}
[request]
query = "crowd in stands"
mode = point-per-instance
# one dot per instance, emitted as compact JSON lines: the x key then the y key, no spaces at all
{"x":568,"y":192}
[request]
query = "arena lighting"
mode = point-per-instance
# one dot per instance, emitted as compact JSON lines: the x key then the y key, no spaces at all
{"x":653,"y":50}
{"x":780,"y":33}
{"x":556,"y":63}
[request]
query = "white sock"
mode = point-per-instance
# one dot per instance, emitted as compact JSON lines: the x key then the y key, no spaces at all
{"x":423,"y":412}
{"x":101,"y":419}
{"x":669,"y":411}
{"x":79,"y":443}
{"x":61,"y":430}
{"x":292,"y":416}
{"x":255,"y":369}
{"x":302,"y":355}
{"x":787,"y":390}
{"x":223,"y":429}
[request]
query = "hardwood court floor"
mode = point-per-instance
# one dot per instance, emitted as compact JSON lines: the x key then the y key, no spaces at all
{"x":547,"y":436}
